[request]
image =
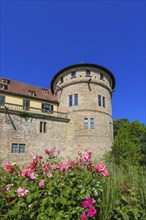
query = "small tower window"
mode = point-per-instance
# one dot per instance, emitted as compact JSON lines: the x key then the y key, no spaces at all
{"x":70,"y":100}
{"x":91,"y":123}
{"x":86,"y":123}
{"x":99,"y":100}
{"x":103,"y":99}
{"x":75,"y":99}
{"x":101,"y":76}
{"x":73,"y":75}
{"x":88,"y":73}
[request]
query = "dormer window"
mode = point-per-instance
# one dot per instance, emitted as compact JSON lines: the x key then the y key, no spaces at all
{"x":73,"y":74}
{"x":88,"y":73}
{"x":32,"y":93}
{"x":3,"y":87}
{"x":45,"y":90}
{"x":6,"y":81}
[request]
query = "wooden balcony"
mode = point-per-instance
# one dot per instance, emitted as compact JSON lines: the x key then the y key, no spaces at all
{"x":30,"y":111}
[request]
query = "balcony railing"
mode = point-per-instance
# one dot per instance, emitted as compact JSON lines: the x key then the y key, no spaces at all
{"x":21,"y":108}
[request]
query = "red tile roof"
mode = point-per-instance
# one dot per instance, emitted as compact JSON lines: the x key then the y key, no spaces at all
{"x":24,"y":89}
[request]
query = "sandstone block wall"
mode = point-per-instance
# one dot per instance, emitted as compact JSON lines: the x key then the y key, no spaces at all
{"x":28,"y":132}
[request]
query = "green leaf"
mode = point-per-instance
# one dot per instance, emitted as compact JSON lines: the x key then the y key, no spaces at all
{"x":63,"y":200}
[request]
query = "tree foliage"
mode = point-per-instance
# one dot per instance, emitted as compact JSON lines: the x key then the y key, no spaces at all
{"x":129,"y":142}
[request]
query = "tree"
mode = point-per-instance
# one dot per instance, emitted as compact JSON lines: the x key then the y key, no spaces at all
{"x":129,"y":146}
{"x":118,"y":124}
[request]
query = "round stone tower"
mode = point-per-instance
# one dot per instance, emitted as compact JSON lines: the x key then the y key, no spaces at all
{"x":84,"y":91}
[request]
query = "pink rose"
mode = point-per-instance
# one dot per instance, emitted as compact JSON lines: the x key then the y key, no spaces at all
{"x":33,"y":176}
{"x":8,"y":168}
{"x":32,"y":165}
{"x":101,"y":168}
{"x":22,"y":192}
{"x":39,"y":157}
{"x":50,"y":152}
{"x":90,"y":166}
{"x":87,"y":202}
{"x":41,"y":183}
{"x":26,"y":173}
{"x":91,"y":212}
{"x":83,"y":216}
{"x":86,"y":157}
{"x":49,"y":174}
{"x":54,"y":167}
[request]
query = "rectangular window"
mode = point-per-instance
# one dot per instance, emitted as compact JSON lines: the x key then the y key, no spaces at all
{"x":91,"y":123}
{"x":42,"y":127}
{"x":101,"y":75}
{"x":76,"y":99}
{"x":21,"y":148}
{"x":2,"y":100}
{"x":47,"y":107}
{"x":103,"y":99}
{"x":86,"y":123}
{"x":45,"y":127}
{"x":70,"y":100}
{"x":73,"y":75}
{"x":18,"y":148}
{"x":26,"y":104}
{"x":88,"y":73}
{"x":99,"y":100}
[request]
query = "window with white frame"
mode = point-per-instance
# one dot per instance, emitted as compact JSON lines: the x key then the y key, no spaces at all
{"x":18,"y":148}
{"x":70,"y":100}
{"x":91,"y":123}
{"x":73,"y":74}
{"x":88,"y":73}
{"x":2,"y":100}
{"x":75,"y":99}
{"x":46,"y":107}
{"x":86,"y":123}
{"x":26,"y":104}
{"x":101,"y":101}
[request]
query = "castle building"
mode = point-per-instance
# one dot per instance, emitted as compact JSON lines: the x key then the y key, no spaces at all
{"x":74,"y":115}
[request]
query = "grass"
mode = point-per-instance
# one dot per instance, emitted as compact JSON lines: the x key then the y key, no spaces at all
{"x":125,"y":183}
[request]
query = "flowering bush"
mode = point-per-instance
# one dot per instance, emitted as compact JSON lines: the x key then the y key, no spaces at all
{"x":50,"y":189}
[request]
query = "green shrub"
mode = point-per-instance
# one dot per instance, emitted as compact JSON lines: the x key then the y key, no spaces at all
{"x":52,"y":189}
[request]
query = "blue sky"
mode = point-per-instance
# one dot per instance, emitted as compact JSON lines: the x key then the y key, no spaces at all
{"x":38,"y":38}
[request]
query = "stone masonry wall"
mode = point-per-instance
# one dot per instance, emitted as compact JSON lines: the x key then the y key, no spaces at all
{"x":28,"y":132}
{"x":98,"y":140}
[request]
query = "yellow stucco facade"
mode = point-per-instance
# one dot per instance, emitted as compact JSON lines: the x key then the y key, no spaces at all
{"x":16,"y":100}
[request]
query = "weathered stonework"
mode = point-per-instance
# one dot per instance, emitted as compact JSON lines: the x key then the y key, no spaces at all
{"x":67,"y":135}
{"x":99,"y":139}
{"x":28,"y":132}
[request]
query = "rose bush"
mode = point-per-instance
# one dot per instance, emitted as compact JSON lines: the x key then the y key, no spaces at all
{"x":51,"y":189}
